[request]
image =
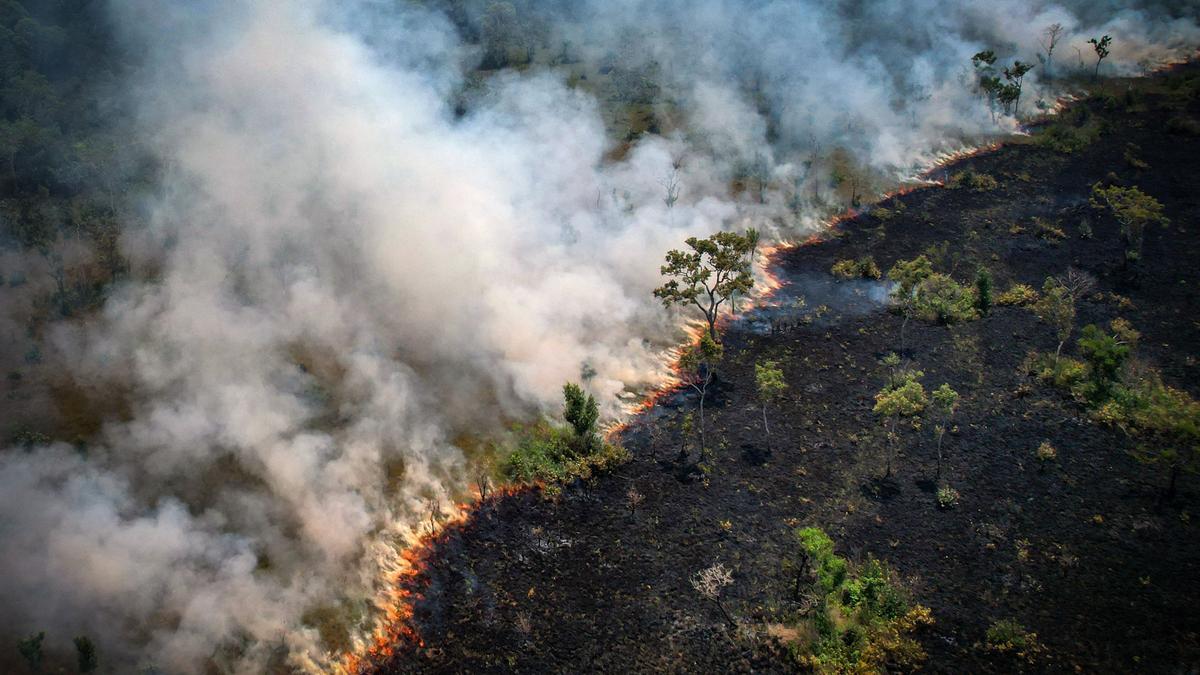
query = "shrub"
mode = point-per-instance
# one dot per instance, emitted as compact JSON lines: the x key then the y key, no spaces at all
{"x":939,"y":298}
{"x":863,"y":268}
{"x":1044,"y":229}
{"x":983,"y":290}
{"x":1046,"y":452}
{"x":1008,"y":636}
{"x":947,"y":497}
{"x":1017,"y":295}
{"x":545,"y":454}
{"x":969,"y":179}
{"x":863,"y":619}
{"x":1064,"y":373}
{"x":1067,"y":139}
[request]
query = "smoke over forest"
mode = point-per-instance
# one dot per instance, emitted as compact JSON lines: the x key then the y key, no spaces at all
{"x":346,"y":244}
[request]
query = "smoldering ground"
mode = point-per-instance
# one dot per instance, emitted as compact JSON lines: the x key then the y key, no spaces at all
{"x":359,"y":254}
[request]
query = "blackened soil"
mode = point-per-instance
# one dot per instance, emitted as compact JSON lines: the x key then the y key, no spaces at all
{"x":1075,"y":550}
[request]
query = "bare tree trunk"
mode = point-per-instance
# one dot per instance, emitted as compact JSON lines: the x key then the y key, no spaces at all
{"x":766,"y":427}
{"x":939,"y":455}
{"x":891,"y":448}
{"x":721,"y":606}
{"x":1058,"y":352}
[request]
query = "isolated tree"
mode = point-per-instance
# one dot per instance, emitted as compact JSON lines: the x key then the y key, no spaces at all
{"x":712,"y":273}
{"x":711,"y":582}
{"x":1057,"y":308}
{"x":670,"y":183}
{"x":31,"y":650}
{"x":1134,"y":211}
{"x":905,"y":400}
{"x":988,"y":81}
{"x":581,"y":412}
{"x":1015,"y":74}
{"x":85,"y":654}
{"x":696,"y":369}
{"x":1106,"y":356}
{"x":983,"y":291}
{"x":1051,"y":36}
{"x":768,"y":380}
{"x":1101,"y":48}
{"x":907,"y":274}
{"x":945,"y":403}
{"x":1168,"y":430}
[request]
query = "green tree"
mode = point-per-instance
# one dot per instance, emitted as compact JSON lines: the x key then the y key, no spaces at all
{"x":1101,"y":48}
{"x":1168,"y":428}
{"x":31,"y":651}
{"x":983,"y":291}
{"x":711,"y":273}
{"x":905,"y":400}
{"x":696,"y":369}
{"x":907,"y":274}
{"x":1106,"y":356}
{"x":581,"y":412}
{"x":945,"y":404}
{"x":1015,"y":74}
{"x":85,"y":654}
{"x":940,"y":298}
{"x":1056,"y":307}
{"x":768,"y":380}
{"x":1134,"y":211}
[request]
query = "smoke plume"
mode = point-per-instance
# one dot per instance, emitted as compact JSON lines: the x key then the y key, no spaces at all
{"x":361,"y":256}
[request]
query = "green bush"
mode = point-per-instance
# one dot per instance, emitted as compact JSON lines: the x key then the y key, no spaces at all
{"x":864,"y":620}
{"x":939,"y":298}
{"x":1067,"y":139}
{"x":1017,"y":295}
{"x":863,"y":268}
{"x":969,"y":179}
{"x":1009,"y":636}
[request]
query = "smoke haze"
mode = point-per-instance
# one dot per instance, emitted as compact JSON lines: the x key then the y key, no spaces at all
{"x":360,"y":254}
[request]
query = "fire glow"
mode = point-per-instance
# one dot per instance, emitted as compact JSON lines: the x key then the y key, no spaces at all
{"x":403,"y":568}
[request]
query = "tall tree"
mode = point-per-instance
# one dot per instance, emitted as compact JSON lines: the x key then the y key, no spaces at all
{"x":904,"y":400}
{"x":581,"y":412}
{"x":1051,"y":36}
{"x":945,"y":404}
{"x":696,"y":368}
{"x":1101,"y":48}
{"x":713,"y":272}
{"x":768,"y":380}
{"x":907,"y":274}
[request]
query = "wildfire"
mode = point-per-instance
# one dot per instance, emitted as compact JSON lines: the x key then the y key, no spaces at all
{"x":402,"y":569}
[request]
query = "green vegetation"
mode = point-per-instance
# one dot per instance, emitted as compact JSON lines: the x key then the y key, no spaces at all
{"x":863,"y":620}
{"x":769,"y":382}
{"x":969,"y":179}
{"x":1017,"y":295}
{"x":945,"y":404}
{"x":31,"y":650}
{"x":983,"y":291}
{"x":947,"y":497}
{"x":940,"y":299}
{"x":1164,"y":421}
{"x":1046,"y":452}
{"x":903,"y":397}
{"x":1056,"y":306}
{"x":548,"y":454}
{"x":1134,"y":211}
{"x":863,"y":268}
{"x":85,"y":654}
{"x":1009,"y":637}
{"x":713,"y":272}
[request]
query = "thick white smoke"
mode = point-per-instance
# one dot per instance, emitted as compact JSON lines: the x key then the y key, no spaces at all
{"x":340,"y":278}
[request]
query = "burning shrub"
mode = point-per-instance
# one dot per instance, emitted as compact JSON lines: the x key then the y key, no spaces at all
{"x":969,"y":179}
{"x":863,"y":268}
{"x":862,"y":618}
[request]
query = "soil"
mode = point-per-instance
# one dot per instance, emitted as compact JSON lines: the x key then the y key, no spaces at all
{"x":1078,"y":550}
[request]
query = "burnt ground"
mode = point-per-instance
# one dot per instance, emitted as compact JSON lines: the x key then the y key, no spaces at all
{"x":1077,"y":551}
